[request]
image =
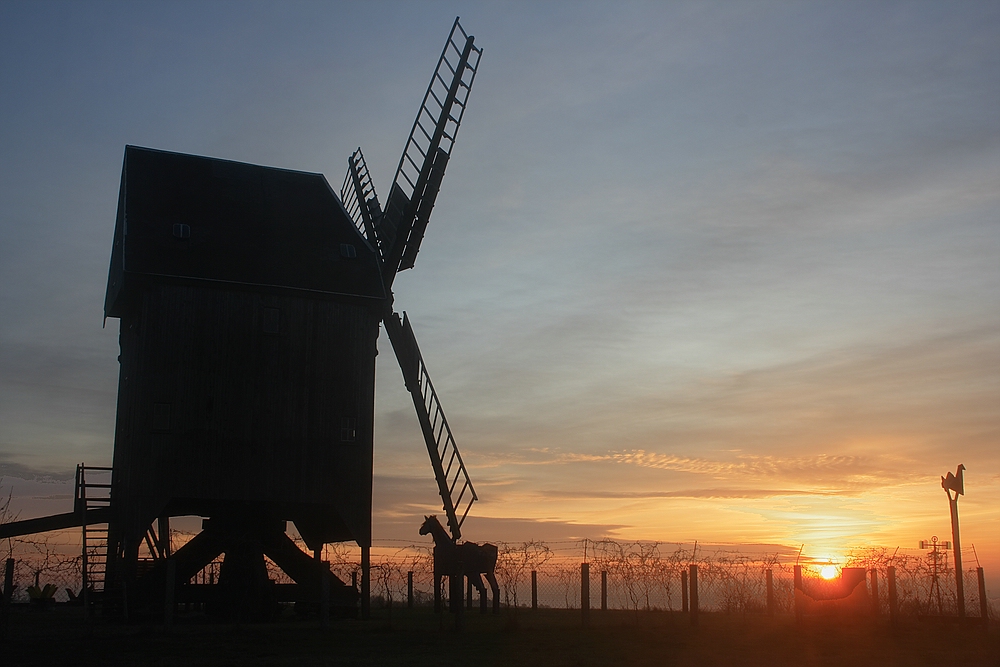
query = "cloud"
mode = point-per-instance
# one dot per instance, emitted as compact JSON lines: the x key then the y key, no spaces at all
{"x":687,"y":493}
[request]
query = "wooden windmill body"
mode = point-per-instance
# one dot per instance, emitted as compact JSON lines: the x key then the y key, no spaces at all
{"x":250,"y":300}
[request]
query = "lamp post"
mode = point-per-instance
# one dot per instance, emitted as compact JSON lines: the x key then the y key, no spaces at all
{"x":954,"y":486}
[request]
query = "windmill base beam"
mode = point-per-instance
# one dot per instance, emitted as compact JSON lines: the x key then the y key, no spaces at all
{"x":55,"y":522}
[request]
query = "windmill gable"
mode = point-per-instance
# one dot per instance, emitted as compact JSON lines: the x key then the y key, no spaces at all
{"x":188,"y":217}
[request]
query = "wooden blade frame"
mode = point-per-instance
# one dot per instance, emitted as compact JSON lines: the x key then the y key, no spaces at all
{"x":396,"y":233}
{"x":454,"y":485}
{"x":418,"y":176}
{"x":359,"y":198}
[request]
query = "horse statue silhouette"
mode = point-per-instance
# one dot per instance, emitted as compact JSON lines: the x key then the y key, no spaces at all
{"x":468,"y":559}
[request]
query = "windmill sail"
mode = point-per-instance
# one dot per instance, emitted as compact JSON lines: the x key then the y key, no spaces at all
{"x":454,"y":485}
{"x":418,"y":177}
{"x":359,"y":198}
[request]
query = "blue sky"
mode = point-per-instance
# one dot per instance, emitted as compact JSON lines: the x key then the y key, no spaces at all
{"x":719,"y":271}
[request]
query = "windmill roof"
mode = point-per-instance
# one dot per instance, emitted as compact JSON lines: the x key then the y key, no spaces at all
{"x":201,"y":218}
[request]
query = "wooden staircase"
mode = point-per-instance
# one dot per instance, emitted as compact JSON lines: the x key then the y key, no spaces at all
{"x":93,"y":491}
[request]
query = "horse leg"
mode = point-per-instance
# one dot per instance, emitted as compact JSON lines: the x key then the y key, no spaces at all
{"x":481,"y":587}
{"x":490,"y":577}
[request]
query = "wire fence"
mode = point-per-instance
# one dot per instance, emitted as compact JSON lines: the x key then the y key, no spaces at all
{"x":636,"y":576}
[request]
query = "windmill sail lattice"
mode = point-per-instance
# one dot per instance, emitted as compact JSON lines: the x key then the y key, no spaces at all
{"x":425,"y":157}
{"x":396,"y":233}
{"x":454,"y":485}
{"x":359,"y":198}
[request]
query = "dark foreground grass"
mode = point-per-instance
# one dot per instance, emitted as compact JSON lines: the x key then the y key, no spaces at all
{"x":543,"y":637}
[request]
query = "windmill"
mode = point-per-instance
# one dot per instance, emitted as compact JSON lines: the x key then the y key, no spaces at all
{"x":396,"y":231}
{"x":249,"y":301}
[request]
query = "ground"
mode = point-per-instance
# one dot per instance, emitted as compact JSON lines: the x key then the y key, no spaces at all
{"x":544,"y":637}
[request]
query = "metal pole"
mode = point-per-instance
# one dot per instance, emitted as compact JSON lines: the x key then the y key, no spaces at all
{"x":684,"y":591}
{"x":585,"y":592}
{"x":959,"y":581}
{"x":604,"y":590}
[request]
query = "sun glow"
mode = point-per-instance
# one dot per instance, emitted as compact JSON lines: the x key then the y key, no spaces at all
{"x":828,"y":572}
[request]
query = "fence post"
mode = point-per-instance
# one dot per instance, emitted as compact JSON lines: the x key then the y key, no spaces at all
{"x":797,"y":585}
{"x":168,"y":593}
{"x":684,"y":591}
{"x":585,"y":592}
{"x":694,"y":595}
{"x":875,"y":600}
{"x":770,"y":592}
{"x":409,"y":589}
{"x":984,"y":608}
{"x":8,"y":596}
{"x":604,"y":590}
{"x":468,"y":592}
{"x":893,"y":601}
{"x":457,"y":607}
{"x":534,"y":589}
{"x":324,"y":591}
{"x":366,"y":581}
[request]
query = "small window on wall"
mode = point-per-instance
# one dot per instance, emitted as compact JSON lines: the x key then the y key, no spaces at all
{"x":272,"y":318}
{"x":161,"y":417}
{"x":348,"y":429}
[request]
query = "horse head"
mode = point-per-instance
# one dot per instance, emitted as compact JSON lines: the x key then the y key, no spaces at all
{"x":427,"y":526}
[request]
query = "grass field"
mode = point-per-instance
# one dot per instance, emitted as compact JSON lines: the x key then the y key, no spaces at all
{"x":543,"y":637}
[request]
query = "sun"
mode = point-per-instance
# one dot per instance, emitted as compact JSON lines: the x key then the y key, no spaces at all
{"x":828,"y":572}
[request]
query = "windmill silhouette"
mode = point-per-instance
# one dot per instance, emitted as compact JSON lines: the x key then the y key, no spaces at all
{"x":249,"y":301}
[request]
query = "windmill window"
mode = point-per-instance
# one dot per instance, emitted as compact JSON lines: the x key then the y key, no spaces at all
{"x":182,"y":231}
{"x":348,"y":429}
{"x":161,"y":417}
{"x":272,"y":318}
{"x":348,"y":250}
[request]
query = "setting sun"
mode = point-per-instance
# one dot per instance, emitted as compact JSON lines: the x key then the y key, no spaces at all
{"x":828,"y":572}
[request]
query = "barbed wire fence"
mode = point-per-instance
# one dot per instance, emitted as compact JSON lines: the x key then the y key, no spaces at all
{"x":636,"y":576}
